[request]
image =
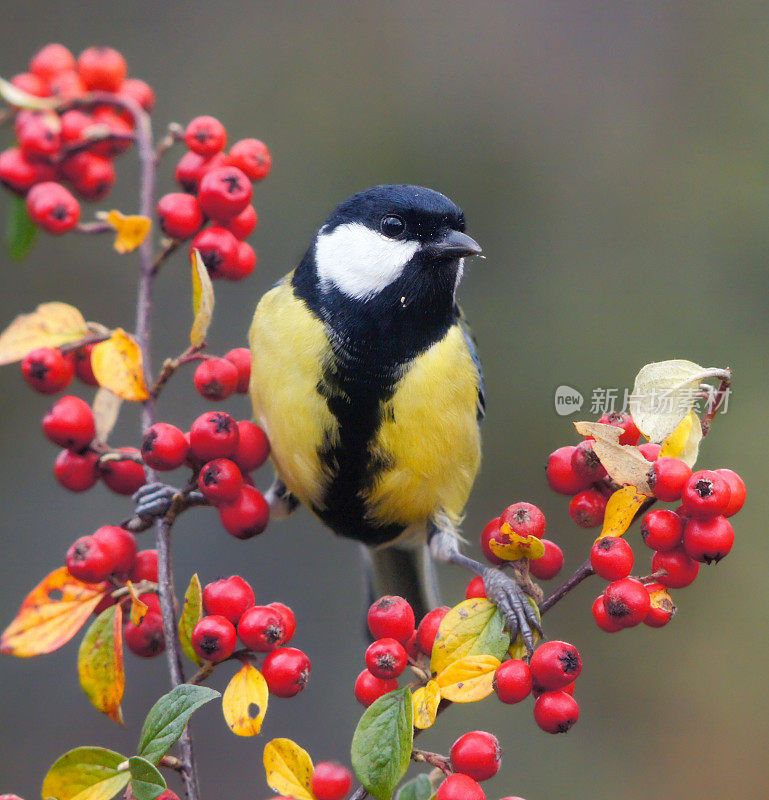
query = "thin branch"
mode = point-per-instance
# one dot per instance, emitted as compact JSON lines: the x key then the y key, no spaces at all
{"x":94,"y":227}
{"x":582,"y":572}
{"x":433,"y":759}
{"x":171,"y":365}
{"x":721,"y":394}
{"x":171,"y":246}
{"x":175,"y":133}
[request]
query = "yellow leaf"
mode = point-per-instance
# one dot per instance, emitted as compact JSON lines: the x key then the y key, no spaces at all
{"x":52,"y":613}
{"x":473,"y":627}
{"x":289,"y":769}
{"x":117,"y":365}
{"x":86,"y":773}
{"x":625,"y":463}
{"x":684,"y":442}
{"x":21,"y":99}
{"x":660,"y":597}
{"x":131,"y":230}
{"x":49,"y":325}
{"x":426,"y":700}
{"x":511,"y":546}
{"x":621,"y":509}
{"x":139,"y":608}
{"x":100,"y":663}
{"x":245,"y":701}
{"x":202,"y":300}
{"x":469,"y":679}
{"x":192,"y":613}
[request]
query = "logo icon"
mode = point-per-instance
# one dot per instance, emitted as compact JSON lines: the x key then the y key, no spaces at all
{"x":568,"y":400}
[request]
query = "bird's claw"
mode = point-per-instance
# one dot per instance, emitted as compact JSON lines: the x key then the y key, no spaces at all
{"x":515,"y":605}
{"x":154,"y":500}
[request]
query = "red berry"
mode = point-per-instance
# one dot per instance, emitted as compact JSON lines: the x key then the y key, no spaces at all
{"x":51,"y":60}
{"x":145,"y":567}
{"x":216,"y":379}
{"x":561,"y":475}
{"x":627,"y":602}
{"x":662,"y":606}
{"x":513,"y":681}
{"x":708,"y":540}
{"x":555,"y":664}
{"x":224,"y":193}
{"x":74,"y":125}
{"x":67,"y":86}
{"x":102,"y":68}
{"x":428,"y":628}
{"x":242,"y":225}
{"x":245,"y":263}
{"x":286,"y":671}
{"x":476,"y":754}
{"x":220,"y":481}
{"x":40,"y":137}
{"x":214,"y":638}
{"x":386,"y":658}
{"x":490,"y":532}
{"x":228,"y":597}
{"x":261,"y":629}
{"x":289,"y":620}
{"x":253,"y":447}
{"x":192,"y":167}
{"x":612,"y":558}
{"x":145,"y":639}
{"x":602,"y":618}
{"x":121,"y":544}
{"x":70,"y":423}
{"x":240,"y":358}
{"x":53,"y":208}
{"x":47,"y":370}
{"x":83,"y":368}
{"x":667,"y":478}
{"x":164,"y":447}
{"x":630,"y":434}
{"x":391,"y":617}
{"x":650,"y":451}
{"x":139,"y":91}
{"x":213,"y":435}
{"x":738,"y":491}
{"x":556,"y":712}
{"x":31,"y":84}
{"x":89,"y":560}
{"x":219,"y":250}
{"x":550,"y":564}
{"x":706,"y":493}
{"x":588,"y":508}
{"x":460,"y":787}
{"x":20,"y":175}
{"x":525,"y":519}
{"x":247,"y":516}
{"x":76,"y":471}
{"x":412,"y":647}
{"x":681,"y":569}
{"x":179,"y":215}
{"x":330,"y":781}
{"x":116,"y":126}
{"x":205,"y":136}
{"x":369,"y":688}
{"x":475,"y":588}
{"x":586,"y":463}
{"x":252,"y":157}
{"x":661,"y":529}
{"x":152,"y":601}
{"x":91,"y":176}
{"x":125,"y":476}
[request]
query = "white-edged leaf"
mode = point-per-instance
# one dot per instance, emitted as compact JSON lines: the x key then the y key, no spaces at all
{"x":202,"y":300}
{"x":625,"y":464}
{"x":21,"y":99}
{"x":106,"y":409}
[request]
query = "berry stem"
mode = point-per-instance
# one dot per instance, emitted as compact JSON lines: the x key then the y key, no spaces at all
{"x":582,"y":572}
{"x":434,"y":759}
{"x":720,"y":396}
{"x":93,"y":227}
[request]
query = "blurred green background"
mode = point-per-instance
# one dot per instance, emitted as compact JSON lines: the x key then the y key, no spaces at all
{"x":612,"y":158}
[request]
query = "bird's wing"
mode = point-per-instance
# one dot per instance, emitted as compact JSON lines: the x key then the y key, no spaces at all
{"x":473,"y":349}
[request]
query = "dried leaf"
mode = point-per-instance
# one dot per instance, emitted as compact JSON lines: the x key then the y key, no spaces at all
{"x":191,"y":615}
{"x":621,"y":509}
{"x":106,"y":409}
{"x":86,"y":773}
{"x":52,"y":613}
{"x":100,"y":663}
{"x":202,"y":300}
{"x":244,"y":703}
{"x":131,"y":230}
{"x":426,"y":700}
{"x":469,"y":679}
{"x":139,"y":608}
{"x":684,"y":442}
{"x":289,"y":769}
{"x":49,"y":325}
{"x":624,"y":463}
{"x":21,"y":99}
{"x":117,"y":366}
{"x":511,"y":546}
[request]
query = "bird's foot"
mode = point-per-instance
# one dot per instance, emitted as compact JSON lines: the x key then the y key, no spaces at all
{"x":154,"y":501}
{"x":516,"y":606}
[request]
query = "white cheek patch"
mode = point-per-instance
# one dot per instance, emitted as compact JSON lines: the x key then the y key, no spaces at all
{"x":360,"y":262}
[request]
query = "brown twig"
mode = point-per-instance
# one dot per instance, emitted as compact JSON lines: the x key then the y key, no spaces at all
{"x":174,"y":133}
{"x":171,"y":365}
{"x":94,"y":227}
{"x":171,"y":246}
{"x":721,"y":394}
{"x":433,"y":759}
{"x":582,"y":572}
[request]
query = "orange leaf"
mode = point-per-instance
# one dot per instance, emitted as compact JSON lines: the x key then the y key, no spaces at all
{"x":131,"y":230}
{"x":100,"y":662}
{"x":117,"y":366}
{"x":53,"y":612}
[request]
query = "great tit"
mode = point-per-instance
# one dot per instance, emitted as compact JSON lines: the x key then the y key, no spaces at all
{"x":366,"y":380}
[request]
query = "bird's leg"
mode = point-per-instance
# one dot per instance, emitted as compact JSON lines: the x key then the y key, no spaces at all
{"x":430,"y":579}
{"x":280,"y":500}
{"x":154,"y":500}
{"x":501,"y":589}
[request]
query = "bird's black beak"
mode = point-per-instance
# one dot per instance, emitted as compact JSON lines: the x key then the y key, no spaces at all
{"x":456,"y":244}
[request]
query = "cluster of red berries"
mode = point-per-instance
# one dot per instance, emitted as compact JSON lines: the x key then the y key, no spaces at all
{"x":217,"y":188}
{"x":524,"y":519}
{"x":217,"y":378}
{"x":48,"y":370}
{"x":75,"y":145}
{"x":231,"y":612}
{"x":111,"y":554}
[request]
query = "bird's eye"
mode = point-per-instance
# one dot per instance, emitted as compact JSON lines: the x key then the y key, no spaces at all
{"x":392,"y":226}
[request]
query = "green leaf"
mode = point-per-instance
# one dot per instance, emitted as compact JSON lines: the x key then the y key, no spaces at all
{"x":88,"y":773}
{"x":146,"y":782}
{"x":381,"y":745}
{"x":20,"y":231}
{"x":418,"y":789}
{"x":100,"y":663}
{"x":191,"y":615}
{"x":168,"y":718}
